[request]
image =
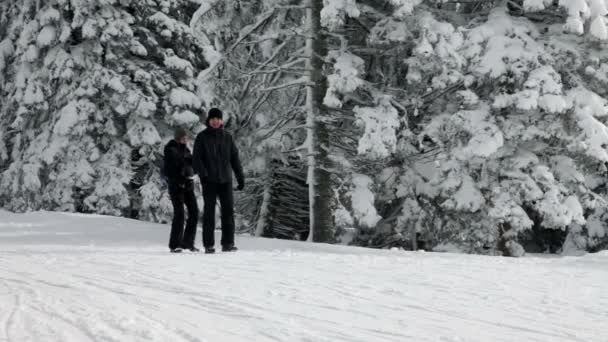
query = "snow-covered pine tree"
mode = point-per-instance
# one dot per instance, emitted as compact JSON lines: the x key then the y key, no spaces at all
{"x":476,"y":125}
{"x":508,"y":101}
{"x":398,"y":78}
{"x":469,"y":116}
{"x":90,"y":89}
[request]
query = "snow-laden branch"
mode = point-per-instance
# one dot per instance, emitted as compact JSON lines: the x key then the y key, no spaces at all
{"x":297,"y":82}
{"x":251,"y":28}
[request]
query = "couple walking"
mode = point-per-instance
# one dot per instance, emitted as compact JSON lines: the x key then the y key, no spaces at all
{"x":214,"y":158}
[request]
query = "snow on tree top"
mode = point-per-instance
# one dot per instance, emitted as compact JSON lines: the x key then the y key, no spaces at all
{"x":404,"y":7}
{"x":49,"y":16}
{"x":181,"y":97}
{"x":334,"y":12}
{"x":46,"y":36}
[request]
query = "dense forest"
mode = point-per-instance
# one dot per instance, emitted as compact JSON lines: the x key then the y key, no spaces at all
{"x":446,"y":125}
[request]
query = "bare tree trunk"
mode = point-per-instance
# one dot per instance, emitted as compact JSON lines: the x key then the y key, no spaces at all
{"x":319,"y":183}
{"x":414,"y":236}
{"x":263,"y":217}
{"x":310,"y":119}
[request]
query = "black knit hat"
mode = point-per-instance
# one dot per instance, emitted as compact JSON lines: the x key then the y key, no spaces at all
{"x":214,"y":113}
{"x":179,"y":133}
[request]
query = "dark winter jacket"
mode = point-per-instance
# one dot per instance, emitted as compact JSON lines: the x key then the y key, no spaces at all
{"x":178,"y":163}
{"x":215,"y":156}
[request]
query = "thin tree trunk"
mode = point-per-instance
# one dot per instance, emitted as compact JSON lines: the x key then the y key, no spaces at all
{"x":263,"y":217}
{"x":319,"y":182}
{"x":413,"y":235}
{"x":310,"y":118}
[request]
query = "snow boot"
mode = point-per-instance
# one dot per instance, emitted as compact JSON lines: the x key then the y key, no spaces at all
{"x":229,"y":248}
{"x":176,"y":250}
{"x":209,"y":250}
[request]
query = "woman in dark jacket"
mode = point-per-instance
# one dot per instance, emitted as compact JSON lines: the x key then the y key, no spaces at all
{"x":180,"y":175}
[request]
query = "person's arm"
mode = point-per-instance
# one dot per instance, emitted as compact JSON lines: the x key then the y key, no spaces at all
{"x":197,"y":157}
{"x":188,"y":168}
{"x":235,"y":162}
{"x":173,"y":163}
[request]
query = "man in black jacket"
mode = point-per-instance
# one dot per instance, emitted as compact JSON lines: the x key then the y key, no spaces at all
{"x":180,"y":174}
{"x":215,"y":157}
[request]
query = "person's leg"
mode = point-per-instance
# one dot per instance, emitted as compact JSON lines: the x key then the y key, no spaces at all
{"x":192,"y":206}
{"x":209,"y":196}
{"x":177,"y":226}
{"x":227,"y":203}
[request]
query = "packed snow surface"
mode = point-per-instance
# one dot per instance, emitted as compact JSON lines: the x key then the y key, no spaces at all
{"x":71,"y":277}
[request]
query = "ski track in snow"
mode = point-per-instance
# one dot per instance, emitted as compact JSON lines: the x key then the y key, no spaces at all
{"x":284,"y":291}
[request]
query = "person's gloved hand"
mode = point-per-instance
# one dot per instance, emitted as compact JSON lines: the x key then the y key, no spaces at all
{"x":241,"y":185}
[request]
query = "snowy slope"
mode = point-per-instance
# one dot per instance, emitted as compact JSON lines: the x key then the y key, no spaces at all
{"x":66,"y":277}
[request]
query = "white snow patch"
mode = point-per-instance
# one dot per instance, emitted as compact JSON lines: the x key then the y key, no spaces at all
{"x":404,"y":7}
{"x":486,"y":137}
{"x":49,"y":16}
{"x":179,"y":64}
{"x":363,"y":201}
{"x":466,"y":198}
{"x":534,"y":5}
{"x":380,"y":136}
{"x":116,"y":85}
{"x":143,"y":132}
{"x":334,"y":12}
{"x":181,"y":97}
{"x":185,"y":117}
{"x":515,"y":249}
{"x":6,"y":50}
{"x":46,"y":36}
{"x":344,"y":80}
{"x":68,"y":118}
{"x":598,"y":28}
{"x":31,"y":54}
{"x":114,"y":278}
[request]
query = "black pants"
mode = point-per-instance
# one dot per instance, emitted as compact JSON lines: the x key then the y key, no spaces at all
{"x":183,"y":195}
{"x":211,"y":191}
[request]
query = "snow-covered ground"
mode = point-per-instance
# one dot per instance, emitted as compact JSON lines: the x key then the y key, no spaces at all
{"x":66,"y":277}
